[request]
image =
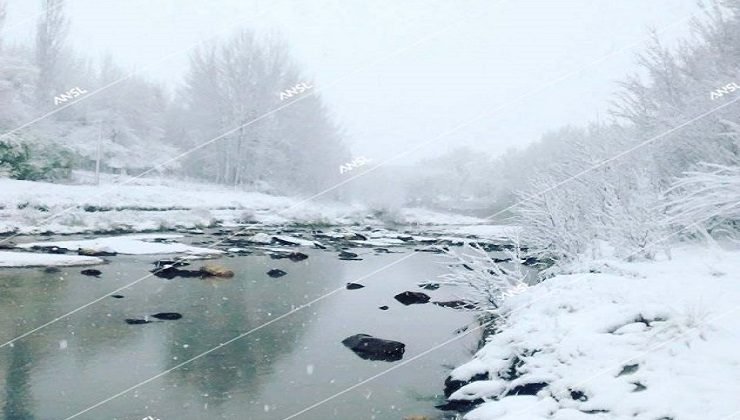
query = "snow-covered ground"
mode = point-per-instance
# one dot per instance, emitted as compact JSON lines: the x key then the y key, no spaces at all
{"x":642,"y":340}
{"x":151,"y":204}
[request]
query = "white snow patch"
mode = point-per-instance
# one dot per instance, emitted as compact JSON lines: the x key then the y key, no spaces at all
{"x":30,"y":259}
{"x":587,"y":332}
{"x":131,"y":244}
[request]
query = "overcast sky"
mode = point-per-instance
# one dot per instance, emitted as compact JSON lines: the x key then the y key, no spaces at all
{"x":398,"y":73}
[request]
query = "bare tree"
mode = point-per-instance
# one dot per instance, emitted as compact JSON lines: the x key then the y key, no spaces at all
{"x":51,"y":34}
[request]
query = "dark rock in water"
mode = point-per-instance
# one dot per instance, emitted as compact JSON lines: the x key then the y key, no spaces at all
{"x":347,"y":254}
{"x":95,"y":253}
{"x":355,"y":237}
{"x":137,"y":321}
{"x":530,"y":261}
{"x":52,"y":270}
{"x":429,"y":286}
{"x":371,"y":348}
{"x":354,"y":286}
{"x":382,"y":251}
{"x":461,"y":406}
{"x":274,"y":273}
{"x":170,"y":273}
{"x":117,"y":296}
{"x":167,"y":315}
{"x":297,"y":256}
{"x":49,"y":249}
{"x":527,"y":389}
{"x":452,"y":385}
{"x":432,"y":249}
{"x":383,"y":308}
{"x":91,"y":272}
{"x":410,"y":298}
{"x":457,"y":304}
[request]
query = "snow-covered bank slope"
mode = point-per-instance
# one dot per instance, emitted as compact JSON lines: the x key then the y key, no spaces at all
{"x":147,"y":204}
{"x":643,"y":340}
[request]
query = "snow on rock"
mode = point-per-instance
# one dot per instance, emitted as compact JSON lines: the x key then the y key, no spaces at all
{"x":644,"y":341}
{"x":130,"y":244}
{"x":260,"y":238}
{"x":30,"y":259}
{"x":292,"y":240}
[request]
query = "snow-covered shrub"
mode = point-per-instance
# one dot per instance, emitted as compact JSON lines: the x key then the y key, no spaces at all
{"x":555,"y":222}
{"x":707,"y":196}
{"x":27,"y":160}
{"x":631,"y":215}
{"x":489,"y":282}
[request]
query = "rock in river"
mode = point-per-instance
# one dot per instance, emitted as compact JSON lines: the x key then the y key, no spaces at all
{"x":216,"y":270}
{"x":91,"y":272}
{"x":410,"y":298}
{"x":354,"y":286}
{"x":371,"y":348}
{"x":103,"y":252}
{"x":167,"y":315}
{"x":276,"y":273}
{"x":137,"y":321}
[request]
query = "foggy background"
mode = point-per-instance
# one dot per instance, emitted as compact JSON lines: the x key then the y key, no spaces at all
{"x":474,"y":56}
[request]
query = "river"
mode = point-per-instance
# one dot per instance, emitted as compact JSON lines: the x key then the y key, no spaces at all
{"x":271,"y":373}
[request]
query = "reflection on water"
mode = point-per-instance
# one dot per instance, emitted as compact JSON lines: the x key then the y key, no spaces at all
{"x":270,"y":374}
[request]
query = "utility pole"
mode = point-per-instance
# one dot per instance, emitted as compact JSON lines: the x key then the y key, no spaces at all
{"x":97,"y":158}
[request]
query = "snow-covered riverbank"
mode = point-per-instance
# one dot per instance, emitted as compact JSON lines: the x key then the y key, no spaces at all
{"x":149,"y":204}
{"x":646,"y":340}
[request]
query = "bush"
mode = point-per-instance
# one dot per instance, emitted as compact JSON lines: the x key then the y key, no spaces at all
{"x":32,"y":162}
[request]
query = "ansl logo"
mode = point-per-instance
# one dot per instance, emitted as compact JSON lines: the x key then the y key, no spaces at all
{"x":718,"y":93}
{"x":70,"y":94}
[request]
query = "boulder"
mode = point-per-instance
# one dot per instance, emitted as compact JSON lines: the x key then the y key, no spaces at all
{"x":429,"y":286}
{"x":383,"y":308}
{"x":91,"y":272}
{"x":167,"y":315}
{"x":170,"y":273}
{"x":457,"y":304}
{"x":354,"y":286}
{"x":103,"y":252}
{"x":274,"y":273}
{"x":371,"y":348}
{"x":216,"y":270}
{"x":137,"y":321}
{"x":117,"y":296}
{"x":410,"y":298}
{"x":297,"y":256}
